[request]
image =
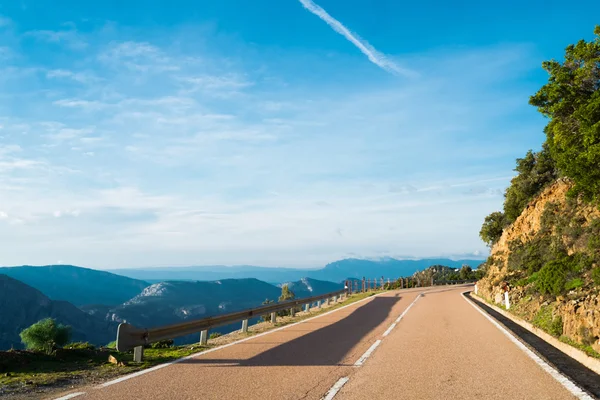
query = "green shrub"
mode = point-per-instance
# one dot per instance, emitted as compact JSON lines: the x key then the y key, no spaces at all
{"x":112,"y":345}
{"x":521,"y":282}
{"x":549,"y":217}
{"x":215,"y":335}
{"x":596,"y":275}
{"x":593,"y":231}
{"x":80,"y":346}
{"x":533,"y":277}
{"x":530,"y":257}
{"x":574,"y":284}
{"x":552,"y":278}
{"x":46,"y":335}
{"x":162,"y":344}
{"x":545,"y":320}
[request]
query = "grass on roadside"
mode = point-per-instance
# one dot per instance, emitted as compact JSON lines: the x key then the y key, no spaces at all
{"x":586,"y":349}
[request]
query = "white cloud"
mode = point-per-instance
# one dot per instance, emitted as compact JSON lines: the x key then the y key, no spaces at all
{"x":70,"y":38}
{"x":63,"y":134}
{"x":372,"y":54}
{"x":79,"y":103}
{"x":137,"y":56}
{"x":81,"y":77}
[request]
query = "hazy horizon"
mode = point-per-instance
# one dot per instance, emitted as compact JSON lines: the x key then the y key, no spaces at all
{"x":217,"y":267}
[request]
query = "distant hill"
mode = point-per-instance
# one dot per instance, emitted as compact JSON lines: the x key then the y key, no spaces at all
{"x":333,"y":272}
{"x":77,"y":285}
{"x":23,"y":306}
{"x":388,"y":268}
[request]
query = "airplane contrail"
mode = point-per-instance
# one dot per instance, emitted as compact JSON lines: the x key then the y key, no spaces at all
{"x":372,"y":54}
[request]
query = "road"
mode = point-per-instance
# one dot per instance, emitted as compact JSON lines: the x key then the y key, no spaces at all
{"x":441,"y":348}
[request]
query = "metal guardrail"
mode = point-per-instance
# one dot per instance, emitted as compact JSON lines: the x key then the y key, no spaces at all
{"x":130,"y":337}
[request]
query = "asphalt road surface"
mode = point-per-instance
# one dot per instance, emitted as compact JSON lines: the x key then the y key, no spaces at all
{"x":441,"y":348}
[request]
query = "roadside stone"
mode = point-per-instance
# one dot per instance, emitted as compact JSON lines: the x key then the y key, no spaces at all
{"x":113,"y":360}
{"x":498,"y":299}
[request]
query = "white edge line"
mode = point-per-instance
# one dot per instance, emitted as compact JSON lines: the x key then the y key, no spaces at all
{"x":70,"y":396}
{"x":145,"y":371}
{"x":557,"y":375}
{"x":336,"y":388}
{"x":367,"y":354}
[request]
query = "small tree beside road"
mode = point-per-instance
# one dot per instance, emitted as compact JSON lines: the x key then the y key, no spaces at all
{"x":46,"y":335}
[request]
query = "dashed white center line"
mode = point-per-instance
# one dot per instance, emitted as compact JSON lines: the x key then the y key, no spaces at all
{"x":389,"y":330}
{"x":336,"y":388}
{"x":367,"y":354}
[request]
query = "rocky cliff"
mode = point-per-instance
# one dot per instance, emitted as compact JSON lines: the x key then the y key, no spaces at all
{"x":556,"y":239}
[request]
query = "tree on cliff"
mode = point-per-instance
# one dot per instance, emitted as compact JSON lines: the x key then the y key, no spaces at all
{"x":535,"y":172}
{"x":571,"y":100}
{"x":492,"y":228}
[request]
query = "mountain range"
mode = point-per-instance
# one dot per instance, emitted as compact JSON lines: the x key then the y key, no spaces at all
{"x":77,"y":285}
{"x":334,"y":272}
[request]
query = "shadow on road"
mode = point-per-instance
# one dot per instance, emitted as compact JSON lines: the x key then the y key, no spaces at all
{"x":326,"y":346}
{"x":574,"y":370}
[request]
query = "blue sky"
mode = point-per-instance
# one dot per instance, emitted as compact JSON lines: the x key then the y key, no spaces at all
{"x":276,"y":133}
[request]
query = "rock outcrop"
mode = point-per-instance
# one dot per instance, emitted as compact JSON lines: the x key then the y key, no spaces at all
{"x":579,"y":308}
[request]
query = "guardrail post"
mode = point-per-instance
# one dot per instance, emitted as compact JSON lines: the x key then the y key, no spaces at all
{"x":204,"y":338}
{"x":293,"y":311}
{"x":244,"y":326}
{"x":138,"y":354}
{"x":273,"y":317}
{"x":506,"y":300}
{"x":320,"y":303}
{"x":307,"y":307}
{"x":328,"y":300}
{"x":475,"y":289}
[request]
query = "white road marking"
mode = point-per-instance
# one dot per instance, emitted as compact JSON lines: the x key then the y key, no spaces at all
{"x":336,"y":388}
{"x":389,"y":330}
{"x":145,"y":371}
{"x":559,"y":377}
{"x":70,"y":396}
{"x":367,"y":354}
